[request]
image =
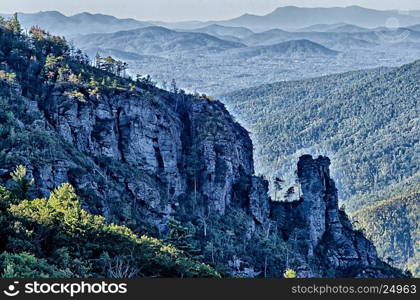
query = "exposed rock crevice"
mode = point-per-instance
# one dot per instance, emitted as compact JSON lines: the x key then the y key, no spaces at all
{"x":139,"y":161}
{"x":332,"y":242}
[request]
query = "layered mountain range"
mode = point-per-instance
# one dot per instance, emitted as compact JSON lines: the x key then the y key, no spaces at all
{"x":289,"y":17}
{"x":288,"y":44}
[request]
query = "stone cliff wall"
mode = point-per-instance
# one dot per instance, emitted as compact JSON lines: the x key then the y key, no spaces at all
{"x":331,"y":238}
{"x":154,"y":160}
{"x":139,"y":156}
{"x":142,"y":158}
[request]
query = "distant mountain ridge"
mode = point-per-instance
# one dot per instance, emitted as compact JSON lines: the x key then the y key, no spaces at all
{"x":414,"y":27}
{"x":82,"y":23}
{"x":293,"y":48}
{"x":153,"y":40}
{"x":292,"y":17}
{"x":378,"y":35}
{"x":288,"y":17}
{"x":339,"y":27}
{"x":223,"y":31}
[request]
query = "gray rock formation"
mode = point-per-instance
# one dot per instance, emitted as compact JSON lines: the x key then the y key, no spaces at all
{"x":134,"y":158}
{"x":143,"y":157}
{"x":174,"y":166}
{"x":331,"y":242}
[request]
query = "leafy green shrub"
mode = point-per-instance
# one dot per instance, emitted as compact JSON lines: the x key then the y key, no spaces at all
{"x":60,"y":223}
{"x":25,"y":265}
{"x":290,"y":274}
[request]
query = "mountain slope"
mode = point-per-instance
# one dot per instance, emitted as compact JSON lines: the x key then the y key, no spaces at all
{"x":155,"y":40}
{"x":291,"y":49}
{"x":378,"y":36}
{"x":349,"y":43}
{"x":291,"y":17}
{"x":415,"y":27}
{"x":172,"y":165}
{"x":366,"y":121}
{"x":224,"y":31}
{"x":83,"y":23}
{"x":339,"y":27}
{"x":393,"y":226}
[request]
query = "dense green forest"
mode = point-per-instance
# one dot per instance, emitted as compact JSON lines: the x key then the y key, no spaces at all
{"x":62,"y":235}
{"x":366,"y":121}
{"x":54,"y":236}
{"x":393,"y":226}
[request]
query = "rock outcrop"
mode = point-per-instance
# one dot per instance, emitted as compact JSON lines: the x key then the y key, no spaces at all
{"x":330,"y":235}
{"x":137,"y":158}
{"x":141,"y":156}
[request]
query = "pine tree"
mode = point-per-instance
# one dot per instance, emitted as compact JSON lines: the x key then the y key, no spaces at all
{"x":98,"y":60}
{"x":20,"y":183}
{"x":174,"y":87}
{"x":278,"y":185}
{"x":14,"y":24}
{"x":182,"y":238}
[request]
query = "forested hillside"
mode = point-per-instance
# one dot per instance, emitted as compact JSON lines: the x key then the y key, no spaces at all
{"x":165,"y":179}
{"x":56,"y":238}
{"x":156,"y":41}
{"x":367,"y":121}
{"x":393,"y":226}
{"x":52,"y":236}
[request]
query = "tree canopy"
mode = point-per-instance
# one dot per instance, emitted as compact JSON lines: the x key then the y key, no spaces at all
{"x":55,"y":237}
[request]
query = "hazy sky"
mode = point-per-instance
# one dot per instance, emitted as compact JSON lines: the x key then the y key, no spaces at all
{"x":178,"y":10}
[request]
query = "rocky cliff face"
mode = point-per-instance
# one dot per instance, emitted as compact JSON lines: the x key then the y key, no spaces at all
{"x":331,"y":245}
{"x":142,"y":160}
{"x":142,"y":156}
{"x":139,"y":156}
{"x":331,"y":238}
